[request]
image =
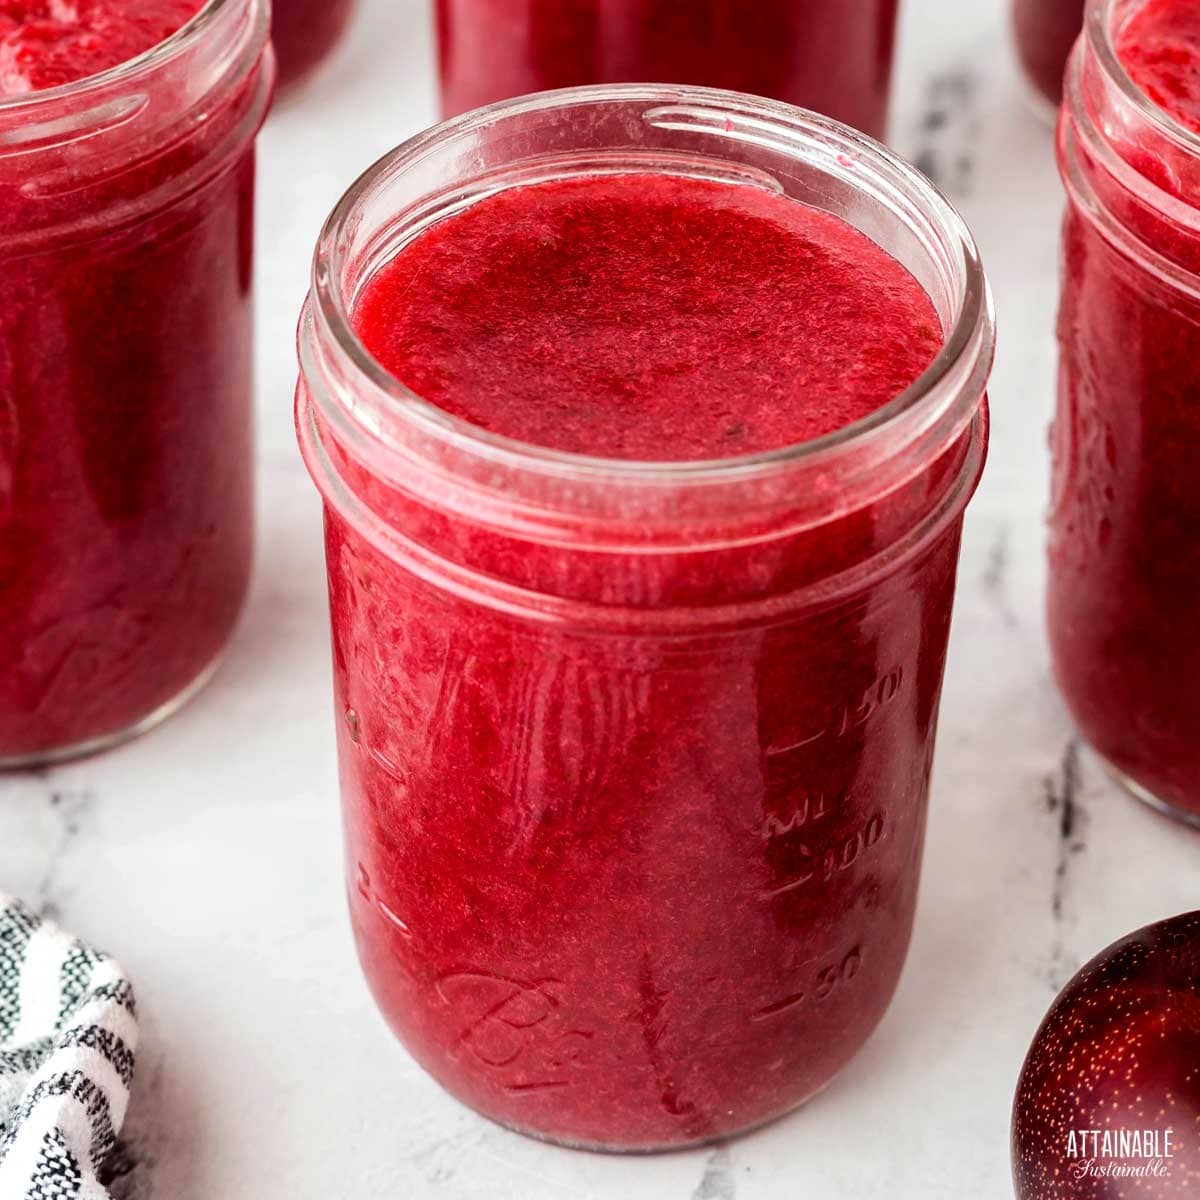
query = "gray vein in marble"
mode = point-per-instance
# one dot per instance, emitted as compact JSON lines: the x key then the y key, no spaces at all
{"x":73,"y":808}
{"x":718,"y":1182}
{"x":995,"y":578}
{"x":948,"y":131}
{"x":523,"y":1171}
{"x":439,"y":1164}
{"x":1062,"y":802}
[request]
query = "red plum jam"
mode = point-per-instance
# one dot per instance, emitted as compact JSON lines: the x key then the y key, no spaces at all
{"x":1125,"y":547}
{"x":835,"y":58}
{"x":126,"y":254}
{"x":644,"y":472}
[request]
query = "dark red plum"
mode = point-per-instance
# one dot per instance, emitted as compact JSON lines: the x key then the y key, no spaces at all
{"x":1108,"y":1104}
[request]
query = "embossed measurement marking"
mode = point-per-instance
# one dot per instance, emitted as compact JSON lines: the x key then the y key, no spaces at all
{"x":393,"y":919}
{"x":803,"y":809}
{"x":354,"y":727}
{"x":850,"y":716}
{"x":828,"y":980}
{"x":831,"y":861}
{"x":363,"y":884}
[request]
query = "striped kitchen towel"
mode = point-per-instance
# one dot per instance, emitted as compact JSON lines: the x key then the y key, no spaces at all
{"x":67,"y":1039}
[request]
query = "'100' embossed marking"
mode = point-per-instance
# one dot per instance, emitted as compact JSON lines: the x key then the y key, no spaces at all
{"x":828,"y":863}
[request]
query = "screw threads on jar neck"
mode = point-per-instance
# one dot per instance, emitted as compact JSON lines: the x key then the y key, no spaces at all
{"x":70,"y":156}
{"x":399,"y":436}
{"x":1127,"y":163}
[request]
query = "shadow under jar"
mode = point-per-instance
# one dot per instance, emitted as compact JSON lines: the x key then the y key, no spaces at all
{"x":635,"y":756}
{"x":1046,"y":30}
{"x":126,"y":253}
{"x":1125,"y":525}
{"x":493,"y":50}
{"x":304,"y":33}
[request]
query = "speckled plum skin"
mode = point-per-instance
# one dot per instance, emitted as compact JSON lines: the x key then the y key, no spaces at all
{"x":1119,"y":1050}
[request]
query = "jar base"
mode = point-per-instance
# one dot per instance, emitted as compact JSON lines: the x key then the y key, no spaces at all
{"x":720,"y":1139}
{"x":1143,"y":794}
{"x":85,"y":749}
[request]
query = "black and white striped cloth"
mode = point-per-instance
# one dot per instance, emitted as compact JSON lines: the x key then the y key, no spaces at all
{"x":68,"y":1033}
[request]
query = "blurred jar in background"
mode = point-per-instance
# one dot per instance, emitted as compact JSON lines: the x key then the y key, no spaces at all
{"x":126,"y":372}
{"x":1046,"y":31}
{"x":304,"y":32}
{"x":1125,"y":519}
{"x":834,"y":58}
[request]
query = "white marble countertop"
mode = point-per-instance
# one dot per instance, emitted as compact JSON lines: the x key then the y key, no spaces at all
{"x":206,"y":856}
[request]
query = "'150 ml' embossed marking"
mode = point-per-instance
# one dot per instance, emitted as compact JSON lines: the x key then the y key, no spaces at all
{"x":850,"y":716}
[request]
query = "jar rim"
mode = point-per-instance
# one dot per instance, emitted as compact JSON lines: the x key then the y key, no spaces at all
{"x":130,"y":70}
{"x":1100,"y":98}
{"x":1099,"y":30}
{"x":972,"y":328}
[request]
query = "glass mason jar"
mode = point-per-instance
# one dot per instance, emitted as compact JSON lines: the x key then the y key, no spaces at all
{"x":304,"y":32}
{"x":1045,"y":32}
{"x":1125,"y":526}
{"x":492,"y":50}
{"x":126,"y":254}
{"x":635,"y":756}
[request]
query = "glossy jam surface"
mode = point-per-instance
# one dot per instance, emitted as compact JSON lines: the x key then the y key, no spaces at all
{"x":46,"y":43}
{"x":125,"y":424}
{"x":304,"y":32}
{"x":494,"y":49}
{"x":625,"y":869}
{"x":1125,"y":555}
{"x":650,"y":317}
{"x":1046,"y":31}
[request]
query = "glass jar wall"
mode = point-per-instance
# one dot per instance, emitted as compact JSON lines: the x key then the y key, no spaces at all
{"x":1124,"y":549}
{"x":304,"y":32}
{"x":126,"y":267}
{"x":635,"y":757}
{"x":1046,"y":30}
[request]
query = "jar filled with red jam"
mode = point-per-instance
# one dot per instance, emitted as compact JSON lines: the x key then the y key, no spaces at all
{"x":835,"y":58}
{"x":304,"y":32}
{"x":645,"y":419}
{"x":126,"y":261}
{"x":1125,"y":528}
{"x":1046,"y":32}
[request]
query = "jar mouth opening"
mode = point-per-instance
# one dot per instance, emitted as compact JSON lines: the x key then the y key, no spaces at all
{"x":1100,"y":28}
{"x":131,"y":69}
{"x":970,"y":331}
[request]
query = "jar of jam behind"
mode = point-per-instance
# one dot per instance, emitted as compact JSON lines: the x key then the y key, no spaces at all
{"x":126,"y":417}
{"x":304,"y":32}
{"x":1046,"y":31}
{"x":1125,"y":524}
{"x":491,"y":50}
